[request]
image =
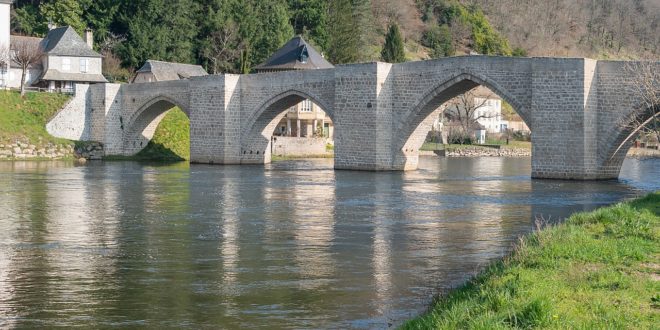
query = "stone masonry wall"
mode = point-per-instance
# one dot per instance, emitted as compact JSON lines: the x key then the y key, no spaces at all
{"x":298,"y":147}
{"x":380,"y":111}
{"x":73,"y":122}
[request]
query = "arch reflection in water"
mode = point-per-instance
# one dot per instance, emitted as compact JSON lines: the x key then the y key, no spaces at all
{"x":291,"y":245}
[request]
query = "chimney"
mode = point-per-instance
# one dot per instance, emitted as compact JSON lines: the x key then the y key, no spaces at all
{"x":89,"y":38}
{"x":51,"y":25}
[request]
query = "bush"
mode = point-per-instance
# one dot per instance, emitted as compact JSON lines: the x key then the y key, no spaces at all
{"x":440,"y":40}
{"x":521,"y":136}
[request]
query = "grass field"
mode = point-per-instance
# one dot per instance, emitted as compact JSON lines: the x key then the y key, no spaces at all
{"x":24,"y":119}
{"x":598,"y":270}
{"x":171,"y":141}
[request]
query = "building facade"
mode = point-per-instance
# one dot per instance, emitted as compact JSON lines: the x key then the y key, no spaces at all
{"x":67,"y":58}
{"x":306,"y":119}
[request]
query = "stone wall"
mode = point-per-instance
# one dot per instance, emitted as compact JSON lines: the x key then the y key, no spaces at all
{"x":23,"y":150}
{"x":298,"y":147}
{"x":73,"y":121}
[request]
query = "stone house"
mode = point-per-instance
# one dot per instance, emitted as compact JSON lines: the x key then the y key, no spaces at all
{"x":68,"y":59}
{"x":306,"y":119}
{"x":153,"y":71}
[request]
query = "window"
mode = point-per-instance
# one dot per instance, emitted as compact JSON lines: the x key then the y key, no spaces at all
{"x":66,"y":64}
{"x":306,"y":106}
{"x":84,"y":65}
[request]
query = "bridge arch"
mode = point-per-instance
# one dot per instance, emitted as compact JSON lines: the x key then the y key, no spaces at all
{"x":140,"y":127}
{"x":628,"y":128}
{"x":259,"y":129}
{"x":416,"y":122}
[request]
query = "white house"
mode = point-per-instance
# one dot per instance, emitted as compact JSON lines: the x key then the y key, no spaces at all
{"x":67,"y":59}
{"x":5,"y":11}
{"x":486,"y":108}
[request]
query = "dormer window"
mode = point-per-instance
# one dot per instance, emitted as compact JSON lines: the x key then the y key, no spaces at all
{"x":304,"y":55}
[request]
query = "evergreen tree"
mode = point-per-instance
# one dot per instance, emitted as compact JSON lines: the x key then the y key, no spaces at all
{"x":273,"y":29}
{"x":366,"y":28}
{"x":99,"y":15}
{"x":344,"y":38}
{"x":155,"y":33}
{"x":393,"y":51}
{"x":310,"y":19}
{"x":63,"y":12}
{"x":440,"y":40}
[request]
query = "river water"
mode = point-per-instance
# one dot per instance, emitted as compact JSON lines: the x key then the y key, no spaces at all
{"x":288,"y":245}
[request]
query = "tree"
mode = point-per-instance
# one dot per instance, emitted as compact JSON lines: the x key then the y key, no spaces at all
{"x":25,"y":52}
{"x":63,"y":12}
{"x":112,"y":69}
{"x":464,"y":111}
{"x":343,"y":40}
{"x":310,"y":19}
{"x":155,"y":33}
{"x":645,"y":119}
{"x":223,"y":49}
{"x":439,"y":39}
{"x":393,"y":50}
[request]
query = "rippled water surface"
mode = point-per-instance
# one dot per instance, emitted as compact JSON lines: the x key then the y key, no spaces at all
{"x":289,"y":245}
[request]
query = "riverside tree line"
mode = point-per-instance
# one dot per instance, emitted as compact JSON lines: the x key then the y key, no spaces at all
{"x":235,"y":35}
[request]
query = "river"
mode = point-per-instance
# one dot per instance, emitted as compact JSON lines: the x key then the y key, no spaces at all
{"x":289,"y":245}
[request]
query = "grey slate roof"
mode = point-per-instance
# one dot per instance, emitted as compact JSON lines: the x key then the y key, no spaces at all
{"x":163,"y":71}
{"x":64,"y":41}
{"x":296,"y":54}
{"x":56,"y":75}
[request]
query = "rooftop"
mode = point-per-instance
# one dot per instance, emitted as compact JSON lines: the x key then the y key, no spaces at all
{"x":172,"y":71}
{"x":65,"y":41}
{"x":296,"y":54}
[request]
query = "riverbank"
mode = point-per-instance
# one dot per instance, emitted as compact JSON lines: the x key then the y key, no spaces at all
{"x":596,"y":270}
{"x":23,"y":132}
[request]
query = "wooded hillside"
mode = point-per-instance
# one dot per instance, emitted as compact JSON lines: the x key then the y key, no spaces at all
{"x":236,"y":35}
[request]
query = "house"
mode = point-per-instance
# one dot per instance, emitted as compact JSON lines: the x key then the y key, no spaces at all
{"x":67,"y":58}
{"x":485,"y":107}
{"x":153,"y":71}
{"x":306,"y":119}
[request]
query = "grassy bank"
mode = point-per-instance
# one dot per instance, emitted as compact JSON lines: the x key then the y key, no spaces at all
{"x":24,"y":119}
{"x":598,"y":270}
{"x":171,"y":141}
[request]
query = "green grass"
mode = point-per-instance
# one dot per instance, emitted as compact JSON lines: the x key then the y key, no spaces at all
{"x":24,"y":119}
{"x":171,"y":141}
{"x":598,"y":270}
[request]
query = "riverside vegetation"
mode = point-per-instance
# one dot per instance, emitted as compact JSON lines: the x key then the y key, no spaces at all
{"x":596,"y":270}
{"x":23,"y":126}
{"x":23,"y":132}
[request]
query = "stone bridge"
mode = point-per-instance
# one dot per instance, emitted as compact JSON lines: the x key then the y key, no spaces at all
{"x":575,"y":108}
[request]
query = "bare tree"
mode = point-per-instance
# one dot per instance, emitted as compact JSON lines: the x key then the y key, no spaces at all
{"x":466,"y":110}
{"x":224,"y":48}
{"x":25,"y":53}
{"x":644,"y":120}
